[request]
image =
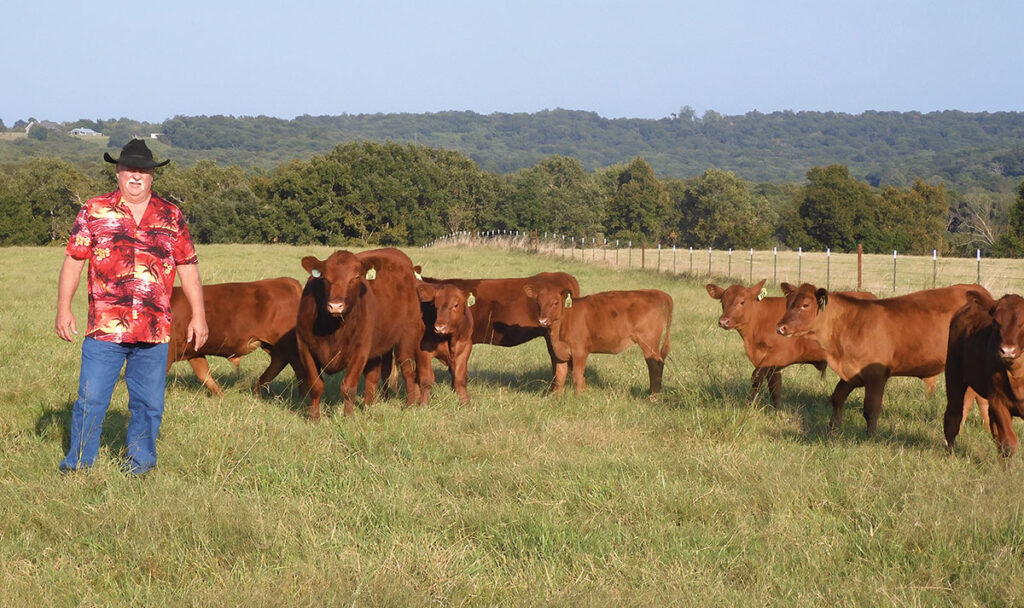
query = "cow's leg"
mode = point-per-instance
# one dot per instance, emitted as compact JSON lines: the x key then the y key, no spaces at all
{"x":350,"y":384}
{"x":560,"y":373}
{"x":311,"y":380}
{"x":757,"y":380}
{"x":236,"y":361}
{"x":929,"y":384}
{"x":410,"y":357}
{"x":460,"y":371}
{"x":579,"y":365}
{"x":1002,"y":431}
{"x":874,"y":388}
{"x":655,"y":370}
{"x":775,"y":386}
{"x":202,"y":369}
{"x":371,"y":380}
{"x":956,"y":406}
{"x":278,"y":359}
{"x":838,"y":399}
{"x":387,"y":372}
{"x":426,"y":377}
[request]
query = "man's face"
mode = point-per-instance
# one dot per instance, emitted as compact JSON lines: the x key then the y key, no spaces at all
{"x":134,"y":183}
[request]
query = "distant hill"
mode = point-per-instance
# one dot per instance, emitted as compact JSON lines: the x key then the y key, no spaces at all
{"x":967,"y":151}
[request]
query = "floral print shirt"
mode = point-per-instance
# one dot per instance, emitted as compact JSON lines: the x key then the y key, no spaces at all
{"x":131,"y":266}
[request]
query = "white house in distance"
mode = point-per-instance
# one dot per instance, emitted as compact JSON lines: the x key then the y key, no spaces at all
{"x":83,"y":131}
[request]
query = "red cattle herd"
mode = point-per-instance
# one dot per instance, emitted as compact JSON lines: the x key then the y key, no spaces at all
{"x":368,"y":313}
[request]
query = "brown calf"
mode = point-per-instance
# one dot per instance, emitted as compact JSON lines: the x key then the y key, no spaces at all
{"x":607,"y":322}
{"x":868,"y":341}
{"x":504,"y":316}
{"x":242,"y":317}
{"x":356,"y":309}
{"x":448,"y":334}
{"x":986,"y":339}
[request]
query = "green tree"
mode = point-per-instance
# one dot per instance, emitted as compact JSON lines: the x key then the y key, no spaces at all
{"x":717,"y":210}
{"x":912,"y":220}
{"x":639,"y":208}
{"x":556,"y":195}
{"x":40,"y":199}
{"x":1011,"y":242}
{"x":834,"y":209}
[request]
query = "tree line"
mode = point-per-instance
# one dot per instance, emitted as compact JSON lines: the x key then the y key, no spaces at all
{"x":365,"y":193}
{"x":966,"y":151}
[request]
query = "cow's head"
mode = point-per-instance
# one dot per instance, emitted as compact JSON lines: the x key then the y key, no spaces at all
{"x":344,"y":277}
{"x":803,"y":305}
{"x":737,"y":303}
{"x":449,"y":301}
{"x":550,"y":303}
{"x":1007,"y":324}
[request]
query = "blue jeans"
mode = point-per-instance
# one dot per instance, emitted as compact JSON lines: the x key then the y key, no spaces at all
{"x":145,"y":374}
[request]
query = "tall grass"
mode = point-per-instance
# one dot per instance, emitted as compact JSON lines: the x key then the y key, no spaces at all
{"x":603,"y":499}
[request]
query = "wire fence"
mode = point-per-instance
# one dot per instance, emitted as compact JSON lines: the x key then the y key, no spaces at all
{"x":882,"y":274}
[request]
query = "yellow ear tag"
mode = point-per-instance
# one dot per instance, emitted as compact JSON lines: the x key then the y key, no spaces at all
{"x":471,"y":300}
{"x":315,"y":272}
{"x":568,"y":300}
{"x":762,"y":295}
{"x":371,"y":274}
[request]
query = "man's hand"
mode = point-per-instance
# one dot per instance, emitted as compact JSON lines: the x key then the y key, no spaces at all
{"x":65,"y":325}
{"x":197,"y":330}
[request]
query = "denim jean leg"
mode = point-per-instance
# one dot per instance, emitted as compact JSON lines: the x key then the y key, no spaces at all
{"x":101,"y":366}
{"x":146,"y":377}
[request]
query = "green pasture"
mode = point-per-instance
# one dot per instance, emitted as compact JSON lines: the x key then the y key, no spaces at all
{"x":603,"y":499}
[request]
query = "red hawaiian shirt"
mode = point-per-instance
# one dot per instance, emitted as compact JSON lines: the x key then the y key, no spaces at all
{"x":131,"y":266}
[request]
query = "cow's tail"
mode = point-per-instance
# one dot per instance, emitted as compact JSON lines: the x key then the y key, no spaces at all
{"x":668,"y":329}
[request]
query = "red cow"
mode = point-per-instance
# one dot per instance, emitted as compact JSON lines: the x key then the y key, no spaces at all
{"x":752,"y":313}
{"x":242,"y":317}
{"x":504,"y":316}
{"x":356,"y":309}
{"x":448,"y":334}
{"x":607,"y":322}
{"x":868,"y":341}
{"x":986,"y":339}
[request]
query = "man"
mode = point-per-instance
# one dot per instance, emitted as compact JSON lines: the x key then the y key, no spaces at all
{"x":134,"y":242}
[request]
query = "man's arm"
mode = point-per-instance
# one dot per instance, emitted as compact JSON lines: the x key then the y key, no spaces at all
{"x":67,"y":283}
{"x":192,"y":287}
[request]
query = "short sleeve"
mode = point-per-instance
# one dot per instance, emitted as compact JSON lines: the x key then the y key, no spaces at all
{"x":80,"y":241}
{"x":184,"y":250}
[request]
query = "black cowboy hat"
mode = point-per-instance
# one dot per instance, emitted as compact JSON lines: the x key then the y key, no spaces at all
{"x":135,"y":154}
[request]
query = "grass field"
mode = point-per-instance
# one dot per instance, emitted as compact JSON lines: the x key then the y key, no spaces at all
{"x":604,"y":499}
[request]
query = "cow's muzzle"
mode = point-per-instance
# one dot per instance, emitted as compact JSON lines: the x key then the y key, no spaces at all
{"x":336,"y":309}
{"x":724,"y":323}
{"x":441,"y":329}
{"x":1009,"y":353}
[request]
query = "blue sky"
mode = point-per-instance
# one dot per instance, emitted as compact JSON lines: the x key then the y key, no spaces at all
{"x":641,"y":58}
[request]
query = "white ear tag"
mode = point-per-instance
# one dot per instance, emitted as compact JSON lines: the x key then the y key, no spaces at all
{"x":471,"y":300}
{"x":568,"y":300}
{"x":371,"y":274}
{"x":316,"y":273}
{"x":419,"y":277}
{"x":762,"y":295}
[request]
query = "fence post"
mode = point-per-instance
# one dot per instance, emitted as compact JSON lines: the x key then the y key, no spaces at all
{"x":643,"y":255}
{"x":729,"y":272}
{"x":860,"y":265}
{"x":799,"y":264}
{"x":751,"y":272}
{"x":691,"y":260}
{"x":629,"y":256}
{"x":775,"y":269}
{"x":659,"y":258}
{"x":709,"y":261}
{"x":828,"y":268}
{"x":673,"y":259}
{"x":616,"y":252}
{"x":935,"y":255}
{"x":894,"y":271}
{"x":979,"y":266}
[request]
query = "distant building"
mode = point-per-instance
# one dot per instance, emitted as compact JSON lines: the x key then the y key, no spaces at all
{"x":84,"y":132}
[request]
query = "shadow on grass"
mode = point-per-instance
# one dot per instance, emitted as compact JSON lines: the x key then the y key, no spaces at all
{"x":58,"y":420}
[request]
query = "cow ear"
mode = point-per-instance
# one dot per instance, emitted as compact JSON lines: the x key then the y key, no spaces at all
{"x":822,"y":297}
{"x":417,"y":271}
{"x":759,"y":290}
{"x":786,"y":289}
{"x":313,"y":266}
{"x":471,"y":299}
{"x":425,"y":291}
{"x":981,"y":300}
{"x":529,"y":291}
{"x":714,"y":291}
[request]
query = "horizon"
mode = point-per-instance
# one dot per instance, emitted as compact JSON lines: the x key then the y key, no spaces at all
{"x":644,"y":59}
